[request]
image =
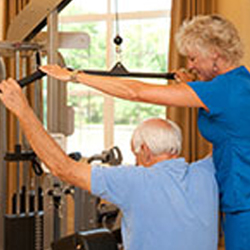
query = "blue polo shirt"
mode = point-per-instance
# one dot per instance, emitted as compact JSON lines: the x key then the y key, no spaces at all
{"x":227,"y":126}
{"x":169,"y":206}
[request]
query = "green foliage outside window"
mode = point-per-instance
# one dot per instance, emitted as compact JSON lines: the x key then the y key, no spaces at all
{"x":133,"y":112}
{"x":140,"y":52}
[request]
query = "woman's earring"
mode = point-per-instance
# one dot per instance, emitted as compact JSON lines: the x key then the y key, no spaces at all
{"x":215,"y":67}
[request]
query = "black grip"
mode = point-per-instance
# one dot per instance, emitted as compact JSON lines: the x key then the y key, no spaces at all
{"x":170,"y":76}
{"x":31,"y":78}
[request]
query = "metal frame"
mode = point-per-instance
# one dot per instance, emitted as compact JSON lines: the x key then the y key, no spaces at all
{"x":52,"y":220}
{"x":18,"y":51}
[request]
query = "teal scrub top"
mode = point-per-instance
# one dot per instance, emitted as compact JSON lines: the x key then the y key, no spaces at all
{"x":227,"y":127}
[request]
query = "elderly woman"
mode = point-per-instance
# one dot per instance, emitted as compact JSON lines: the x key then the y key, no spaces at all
{"x":222,"y":94}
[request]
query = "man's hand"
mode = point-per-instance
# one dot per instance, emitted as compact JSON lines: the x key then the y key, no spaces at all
{"x":12,"y":96}
{"x":57,"y":72}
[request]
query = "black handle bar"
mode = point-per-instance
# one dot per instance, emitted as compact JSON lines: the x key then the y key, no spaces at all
{"x":31,"y":78}
{"x":39,"y":74}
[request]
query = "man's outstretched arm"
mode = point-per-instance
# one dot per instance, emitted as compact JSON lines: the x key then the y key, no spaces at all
{"x":62,"y":166}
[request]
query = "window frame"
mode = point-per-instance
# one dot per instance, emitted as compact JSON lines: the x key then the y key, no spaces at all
{"x":109,"y":18}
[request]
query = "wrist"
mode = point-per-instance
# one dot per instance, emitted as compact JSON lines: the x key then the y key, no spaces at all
{"x":73,"y":76}
{"x":23,"y":110}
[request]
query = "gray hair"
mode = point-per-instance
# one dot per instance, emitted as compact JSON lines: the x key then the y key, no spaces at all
{"x":210,"y":33}
{"x":161,"y":136}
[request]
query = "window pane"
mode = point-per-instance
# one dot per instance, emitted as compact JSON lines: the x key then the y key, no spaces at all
{"x":93,"y":57}
{"x":87,"y":103}
{"x":88,"y":120}
{"x":144,"y":49}
{"x":145,"y":44}
{"x":127,"y":116}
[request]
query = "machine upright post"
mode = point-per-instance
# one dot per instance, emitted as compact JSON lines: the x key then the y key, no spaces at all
{"x":3,"y":149}
{"x":18,"y":192}
{"x":25,"y":147}
{"x":38,"y":217}
{"x":52,"y":220}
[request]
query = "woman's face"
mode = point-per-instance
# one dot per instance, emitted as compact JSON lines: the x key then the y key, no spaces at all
{"x":202,"y":65}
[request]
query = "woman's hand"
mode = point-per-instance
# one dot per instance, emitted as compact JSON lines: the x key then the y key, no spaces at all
{"x":57,"y":72}
{"x":12,"y":97}
{"x":184,"y":75}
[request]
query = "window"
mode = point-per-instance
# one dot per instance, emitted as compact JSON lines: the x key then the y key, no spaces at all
{"x":100,"y":120}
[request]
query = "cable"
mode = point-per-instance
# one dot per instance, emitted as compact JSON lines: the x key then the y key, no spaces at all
{"x":117,"y":17}
{"x":118,"y":39}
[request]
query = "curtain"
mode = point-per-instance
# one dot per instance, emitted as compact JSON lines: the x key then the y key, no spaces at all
{"x":194,"y":145}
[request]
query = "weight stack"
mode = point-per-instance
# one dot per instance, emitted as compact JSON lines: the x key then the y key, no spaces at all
{"x":97,"y":239}
{"x":21,"y":231}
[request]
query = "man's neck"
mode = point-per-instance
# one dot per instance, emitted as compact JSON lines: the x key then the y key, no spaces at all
{"x":163,"y":157}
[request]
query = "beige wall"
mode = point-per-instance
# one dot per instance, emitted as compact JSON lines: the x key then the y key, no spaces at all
{"x":238,"y":11}
{"x":1,"y":19}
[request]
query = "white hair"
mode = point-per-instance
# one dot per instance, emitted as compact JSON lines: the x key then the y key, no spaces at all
{"x":210,"y":33}
{"x":161,"y":136}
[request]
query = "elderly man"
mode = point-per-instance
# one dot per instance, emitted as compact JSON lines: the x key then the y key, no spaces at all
{"x":167,"y":204}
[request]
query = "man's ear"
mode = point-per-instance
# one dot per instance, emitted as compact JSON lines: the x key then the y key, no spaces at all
{"x":147,"y":154}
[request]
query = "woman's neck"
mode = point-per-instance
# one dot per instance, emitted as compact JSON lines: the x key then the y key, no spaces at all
{"x":225,"y":67}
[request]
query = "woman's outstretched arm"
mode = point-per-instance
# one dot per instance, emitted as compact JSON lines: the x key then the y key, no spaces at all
{"x":179,"y":95}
